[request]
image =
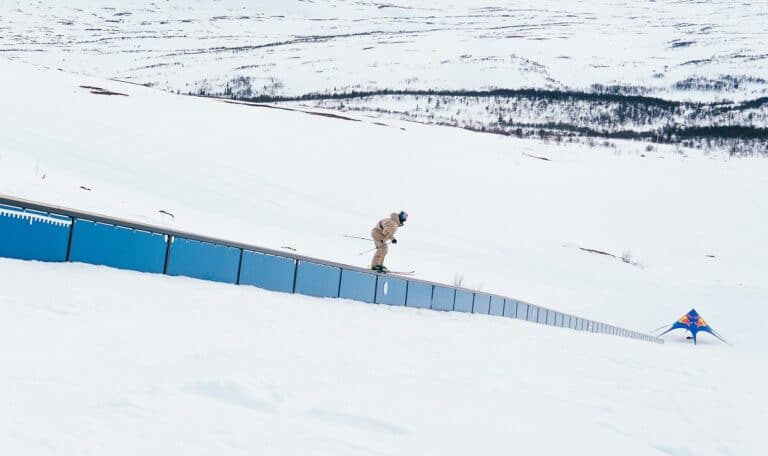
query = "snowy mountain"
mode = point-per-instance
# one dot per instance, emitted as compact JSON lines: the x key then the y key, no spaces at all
{"x":672,"y":49}
{"x":598,"y":69}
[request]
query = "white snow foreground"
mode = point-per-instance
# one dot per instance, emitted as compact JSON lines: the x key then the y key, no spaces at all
{"x":116,"y":362}
{"x":97,"y":360}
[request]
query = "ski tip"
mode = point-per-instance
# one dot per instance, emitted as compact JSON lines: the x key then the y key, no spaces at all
{"x":402,"y":272}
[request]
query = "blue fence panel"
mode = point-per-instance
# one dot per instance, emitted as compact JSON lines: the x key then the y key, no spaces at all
{"x":357,"y":285}
{"x":510,"y":308}
{"x":497,"y":306}
{"x":270,"y":272}
{"x":482,"y":304}
{"x":551,"y":317}
{"x":533,"y":313}
{"x":317,"y":280}
{"x":464,"y":300}
{"x":419,"y":295}
{"x":391,"y":291}
{"x":33,"y":235}
{"x":522,"y":311}
{"x":536,"y":310}
{"x":36,"y":235}
{"x":542,"y":316}
{"x":118,"y":247}
{"x":203,"y":260}
{"x":442,"y":298}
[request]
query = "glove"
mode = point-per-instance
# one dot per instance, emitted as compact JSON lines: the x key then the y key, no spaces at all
{"x":394,"y":241}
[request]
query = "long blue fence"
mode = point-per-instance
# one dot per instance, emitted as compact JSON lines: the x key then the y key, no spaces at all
{"x":35,"y":231}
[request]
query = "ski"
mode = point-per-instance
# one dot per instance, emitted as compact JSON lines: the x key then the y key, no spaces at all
{"x":400,"y":272}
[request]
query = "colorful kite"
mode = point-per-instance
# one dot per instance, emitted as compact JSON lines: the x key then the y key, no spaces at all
{"x":693,"y":322}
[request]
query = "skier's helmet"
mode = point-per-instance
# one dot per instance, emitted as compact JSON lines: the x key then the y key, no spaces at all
{"x":403,"y":216}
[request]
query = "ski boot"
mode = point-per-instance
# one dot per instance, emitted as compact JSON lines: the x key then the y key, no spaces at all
{"x":380,"y":268}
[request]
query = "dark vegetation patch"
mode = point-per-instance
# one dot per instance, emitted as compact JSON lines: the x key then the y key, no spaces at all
{"x":739,"y":128}
{"x":99,"y":91}
{"x":536,"y":156}
{"x":725,"y":83}
{"x":299,"y":40}
{"x":282,"y":108}
{"x":626,"y":257}
{"x":504,"y":93}
{"x":680,"y":44}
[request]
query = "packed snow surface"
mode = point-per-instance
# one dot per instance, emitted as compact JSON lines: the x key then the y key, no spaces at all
{"x":122,"y":363}
{"x":117,"y":362}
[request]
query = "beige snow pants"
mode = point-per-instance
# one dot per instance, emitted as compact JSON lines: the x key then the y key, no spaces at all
{"x":381,"y":248}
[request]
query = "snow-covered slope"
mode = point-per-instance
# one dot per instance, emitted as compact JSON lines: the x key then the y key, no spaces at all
{"x":122,"y":363}
{"x":481,"y":206}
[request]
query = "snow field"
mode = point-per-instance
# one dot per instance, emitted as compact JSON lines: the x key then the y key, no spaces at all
{"x":120,"y":362}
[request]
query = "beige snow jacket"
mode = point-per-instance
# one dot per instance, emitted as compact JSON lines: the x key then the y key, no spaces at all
{"x":386,"y":228}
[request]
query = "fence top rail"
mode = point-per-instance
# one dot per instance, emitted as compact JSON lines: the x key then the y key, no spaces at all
{"x":74,"y":213}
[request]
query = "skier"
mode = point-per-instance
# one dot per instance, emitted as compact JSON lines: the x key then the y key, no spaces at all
{"x":382,"y":233}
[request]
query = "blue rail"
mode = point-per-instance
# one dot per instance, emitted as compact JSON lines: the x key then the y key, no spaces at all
{"x":36,"y":231}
